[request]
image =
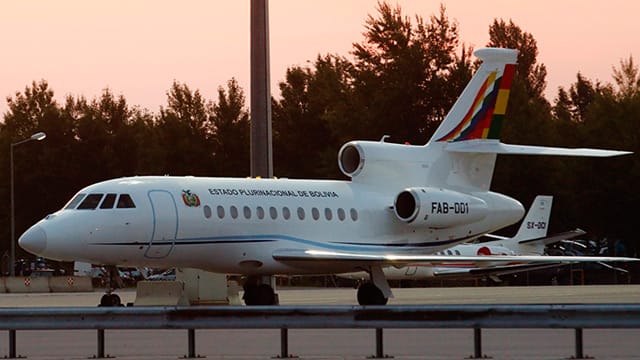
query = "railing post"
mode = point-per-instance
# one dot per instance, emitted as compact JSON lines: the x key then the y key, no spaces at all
{"x":380,"y":346}
{"x":284,"y":343}
{"x":579,"y":344}
{"x":100,"y":354}
{"x":12,"y":344}
{"x":477,"y":343}
{"x":191,"y":335}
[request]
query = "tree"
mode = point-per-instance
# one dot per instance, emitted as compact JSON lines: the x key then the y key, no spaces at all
{"x":401,"y":71}
{"x":313,"y":118}
{"x":37,"y":169}
{"x":230,"y":121}
{"x":185,"y":133}
{"x":627,"y":78}
{"x":509,"y":35}
{"x":104,"y":136}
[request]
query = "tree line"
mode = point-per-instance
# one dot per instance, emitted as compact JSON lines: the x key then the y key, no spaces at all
{"x":399,"y":80}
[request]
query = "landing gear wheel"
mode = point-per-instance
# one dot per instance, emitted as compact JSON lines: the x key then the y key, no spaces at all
{"x":109,"y":300}
{"x":369,"y":294}
{"x":261,"y":294}
{"x":266,"y":295}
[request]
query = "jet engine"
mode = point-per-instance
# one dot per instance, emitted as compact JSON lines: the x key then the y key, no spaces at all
{"x":381,"y":162}
{"x":438,"y":208}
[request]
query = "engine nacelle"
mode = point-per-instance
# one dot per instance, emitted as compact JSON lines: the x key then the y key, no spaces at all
{"x":380,"y":162}
{"x":438,"y":208}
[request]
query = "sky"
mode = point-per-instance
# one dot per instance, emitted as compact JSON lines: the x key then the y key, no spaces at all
{"x":137,"y":48}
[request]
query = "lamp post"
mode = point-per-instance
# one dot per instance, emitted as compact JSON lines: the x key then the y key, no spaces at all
{"x":37,"y":136}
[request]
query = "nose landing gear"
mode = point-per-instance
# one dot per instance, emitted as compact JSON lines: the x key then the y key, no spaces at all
{"x":114,"y":282}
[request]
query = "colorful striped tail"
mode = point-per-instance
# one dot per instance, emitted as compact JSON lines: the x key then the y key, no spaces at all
{"x":479,"y":112}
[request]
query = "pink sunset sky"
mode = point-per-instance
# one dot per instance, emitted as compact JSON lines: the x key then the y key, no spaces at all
{"x":137,"y":48}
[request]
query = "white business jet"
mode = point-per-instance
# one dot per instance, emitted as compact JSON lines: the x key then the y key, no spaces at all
{"x":403,"y":204}
{"x":530,"y":239}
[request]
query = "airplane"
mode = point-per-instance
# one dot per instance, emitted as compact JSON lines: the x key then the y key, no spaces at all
{"x":402,"y":204}
{"x":530,"y":239}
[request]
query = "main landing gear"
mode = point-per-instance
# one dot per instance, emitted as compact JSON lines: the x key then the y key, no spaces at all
{"x":258,"y":290}
{"x":376,"y":291}
{"x":113,"y":282}
{"x":369,"y":294}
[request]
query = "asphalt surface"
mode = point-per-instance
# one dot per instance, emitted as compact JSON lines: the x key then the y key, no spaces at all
{"x":346,"y":344}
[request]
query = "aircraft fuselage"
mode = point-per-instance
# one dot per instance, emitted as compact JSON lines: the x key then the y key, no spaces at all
{"x":231,"y":225}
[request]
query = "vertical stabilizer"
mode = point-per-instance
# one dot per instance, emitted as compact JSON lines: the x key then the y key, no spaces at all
{"x":536,"y":224}
{"x":479,"y":111}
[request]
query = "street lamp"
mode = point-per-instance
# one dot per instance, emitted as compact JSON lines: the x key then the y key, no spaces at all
{"x":37,"y":136}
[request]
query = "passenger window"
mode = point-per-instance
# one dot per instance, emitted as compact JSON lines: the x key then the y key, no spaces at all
{"x":286,"y":214}
{"x":207,"y":211}
{"x":233,"y":211}
{"x":328,"y":214}
{"x":108,"y":201}
{"x":457,"y":252}
{"x":300,"y":213}
{"x":75,"y":201}
{"x":449,"y":252}
{"x":220,"y":211}
{"x":125,"y":202}
{"x":315,"y":213}
{"x":260,"y":212}
{"x":341,"y":214}
{"x":90,"y":202}
{"x":247,"y":212}
{"x":273,"y":212}
{"x":354,"y":214}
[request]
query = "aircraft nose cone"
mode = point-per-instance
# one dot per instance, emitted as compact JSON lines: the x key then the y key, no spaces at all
{"x":34,"y":240}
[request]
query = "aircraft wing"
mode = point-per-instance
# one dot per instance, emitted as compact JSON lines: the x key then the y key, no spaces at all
{"x":301,"y":256}
{"x":496,"y":147}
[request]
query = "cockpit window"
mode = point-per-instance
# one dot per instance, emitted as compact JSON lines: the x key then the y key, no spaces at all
{"x":90,"y":202}
{"x":125,"y":202}
{"x":108,"y":201}
{"x":75,"y":201}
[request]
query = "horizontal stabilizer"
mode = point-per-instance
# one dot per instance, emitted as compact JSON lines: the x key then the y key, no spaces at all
{"x":556,"y":237}
{"x":496,"y":147}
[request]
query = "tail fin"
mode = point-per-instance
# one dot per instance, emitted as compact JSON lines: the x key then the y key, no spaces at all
{"x":536,"y":222}
{"x":479,"y":111}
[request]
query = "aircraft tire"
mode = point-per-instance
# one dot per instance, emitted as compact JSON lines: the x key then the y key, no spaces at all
{"x":369,"y":294}
{"x":110,"y":300}
{"x":262,"y":294}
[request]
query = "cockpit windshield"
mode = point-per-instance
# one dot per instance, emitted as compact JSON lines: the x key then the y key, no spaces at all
{"x":75,"y":201}
{"x":91,"y":201}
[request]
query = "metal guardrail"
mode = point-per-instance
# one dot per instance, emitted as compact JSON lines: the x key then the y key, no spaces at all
{"x":477,"y":317}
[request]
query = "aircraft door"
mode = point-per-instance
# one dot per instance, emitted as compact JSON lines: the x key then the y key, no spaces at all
{"x":165,"y":224}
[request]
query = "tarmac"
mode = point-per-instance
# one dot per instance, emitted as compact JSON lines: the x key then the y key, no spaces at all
{"x":347,"y":344}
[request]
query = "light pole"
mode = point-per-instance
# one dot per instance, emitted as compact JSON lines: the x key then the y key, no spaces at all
{"x":37,"y":136}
